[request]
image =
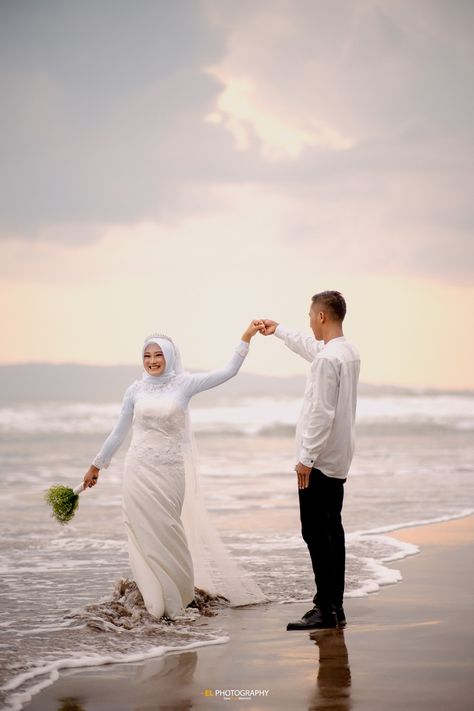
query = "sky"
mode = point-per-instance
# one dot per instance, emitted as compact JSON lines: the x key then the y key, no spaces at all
{"x":184,"y":167}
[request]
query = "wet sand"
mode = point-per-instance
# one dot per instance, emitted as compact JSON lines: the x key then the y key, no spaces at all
{"x":409,"y":646}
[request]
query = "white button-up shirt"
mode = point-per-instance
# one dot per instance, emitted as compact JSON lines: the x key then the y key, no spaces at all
{"x":325,"y":429}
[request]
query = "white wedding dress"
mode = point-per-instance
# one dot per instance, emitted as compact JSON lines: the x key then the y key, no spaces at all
{"x":172,"y":543}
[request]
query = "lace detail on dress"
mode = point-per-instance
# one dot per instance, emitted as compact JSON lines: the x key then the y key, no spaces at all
{"x":158,"y":427}
{"x":168,"y":385}
{"x":242,"y":349}
{"x":100,"y":462}
{"x":169,"y":453}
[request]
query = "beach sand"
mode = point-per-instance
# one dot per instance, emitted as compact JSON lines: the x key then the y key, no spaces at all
{"x":409,"y":646}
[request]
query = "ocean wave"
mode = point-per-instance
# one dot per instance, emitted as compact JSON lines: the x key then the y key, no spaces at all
{"x":124,"y":614}
{"x":271,"y":559}
{"x":262,"y":416}
{"x":50,"y":670}
{"x":415,"y":523}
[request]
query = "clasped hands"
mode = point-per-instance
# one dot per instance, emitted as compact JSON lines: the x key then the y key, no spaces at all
{"x":267,"y":327}
{"x":259,"y":325}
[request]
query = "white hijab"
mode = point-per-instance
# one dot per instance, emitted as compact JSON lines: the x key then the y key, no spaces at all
{"x":172,"y":359}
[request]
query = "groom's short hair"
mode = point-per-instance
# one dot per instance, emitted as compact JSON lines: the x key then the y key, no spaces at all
{"x":333,"y":302}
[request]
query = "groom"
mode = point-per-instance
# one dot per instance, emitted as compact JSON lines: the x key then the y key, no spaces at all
{"x":325,"y":445}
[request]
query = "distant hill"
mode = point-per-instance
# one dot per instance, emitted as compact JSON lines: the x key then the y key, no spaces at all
{"x":66,"y":382}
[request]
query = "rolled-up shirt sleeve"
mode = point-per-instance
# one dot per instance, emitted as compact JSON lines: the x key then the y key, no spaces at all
{"x":324,"y":393}
{"x":300,"y":342}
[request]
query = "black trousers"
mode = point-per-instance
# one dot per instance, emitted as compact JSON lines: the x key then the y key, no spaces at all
{"x":323,"y":532}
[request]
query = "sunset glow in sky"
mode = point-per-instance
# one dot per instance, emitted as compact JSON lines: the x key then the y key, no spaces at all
{"x":185,"y":167}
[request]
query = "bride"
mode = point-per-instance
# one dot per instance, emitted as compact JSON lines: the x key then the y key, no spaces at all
{"x":172,"y":543}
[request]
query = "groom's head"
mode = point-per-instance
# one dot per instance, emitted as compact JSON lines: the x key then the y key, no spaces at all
{"x":326,"y":312}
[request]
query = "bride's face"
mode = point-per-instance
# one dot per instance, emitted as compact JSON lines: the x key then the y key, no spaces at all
{"x":153,"y":359}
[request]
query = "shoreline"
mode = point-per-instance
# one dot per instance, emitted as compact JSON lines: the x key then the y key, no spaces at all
{"x":392,"y":654}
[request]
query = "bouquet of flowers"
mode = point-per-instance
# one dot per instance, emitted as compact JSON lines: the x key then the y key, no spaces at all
{"x":63,"y":501}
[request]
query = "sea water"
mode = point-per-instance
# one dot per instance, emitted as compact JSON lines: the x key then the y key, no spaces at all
{"x":62,"y":603}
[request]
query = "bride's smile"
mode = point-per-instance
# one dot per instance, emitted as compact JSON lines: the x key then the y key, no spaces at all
{"x":154,"y":360}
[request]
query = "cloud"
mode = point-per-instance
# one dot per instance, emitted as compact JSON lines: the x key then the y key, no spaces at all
{"x":387,"y":182}
{"x":280,"y":134}
{"x":355,"y":115}
{"x":103,"y":109}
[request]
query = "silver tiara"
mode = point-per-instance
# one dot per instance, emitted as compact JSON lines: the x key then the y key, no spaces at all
{"x":158,"y":335}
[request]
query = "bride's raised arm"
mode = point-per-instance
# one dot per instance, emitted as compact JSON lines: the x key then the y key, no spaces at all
{"x":198,"y":382}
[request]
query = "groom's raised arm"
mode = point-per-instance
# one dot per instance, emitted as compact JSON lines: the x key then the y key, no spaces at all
{"x":300,"y":342}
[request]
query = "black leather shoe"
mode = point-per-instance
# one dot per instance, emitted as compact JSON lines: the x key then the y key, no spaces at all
{"x":341,"y":618}
{"x":314,"y":619}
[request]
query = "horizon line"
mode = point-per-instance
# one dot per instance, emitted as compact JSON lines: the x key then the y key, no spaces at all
{"x":431,"y":388}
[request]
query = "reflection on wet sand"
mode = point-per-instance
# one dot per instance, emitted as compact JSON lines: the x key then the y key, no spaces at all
{"x":173,"y":675}
{"x":334,"y":675}
{"x":161,"y":683}
{"x":70,"y":703}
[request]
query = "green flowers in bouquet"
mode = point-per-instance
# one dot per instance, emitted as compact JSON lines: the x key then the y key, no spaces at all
{"x":63,"y":501}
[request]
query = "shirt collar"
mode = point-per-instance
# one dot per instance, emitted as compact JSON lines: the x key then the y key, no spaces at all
{"x":338,"y":338}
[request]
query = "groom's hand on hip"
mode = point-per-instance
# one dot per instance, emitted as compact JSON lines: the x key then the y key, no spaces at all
{"x":302,"y":473}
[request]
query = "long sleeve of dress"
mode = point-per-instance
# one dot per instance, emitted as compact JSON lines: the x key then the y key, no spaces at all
{"x":119,"y":432}
{"x":204,"y":381}
{"x":300,"y":342}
